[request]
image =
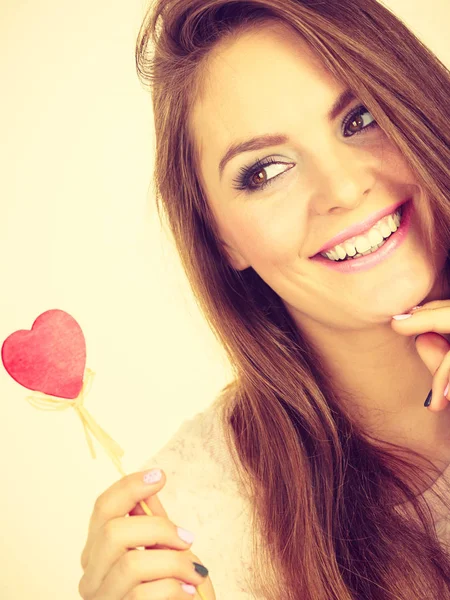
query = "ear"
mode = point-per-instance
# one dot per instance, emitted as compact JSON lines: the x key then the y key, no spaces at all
{"x":236,"y":260}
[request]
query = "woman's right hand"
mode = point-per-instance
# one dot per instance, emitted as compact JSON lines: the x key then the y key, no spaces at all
{"x":114,"y":569}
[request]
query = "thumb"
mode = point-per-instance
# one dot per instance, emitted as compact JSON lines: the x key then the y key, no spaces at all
{"x":432,"y":348}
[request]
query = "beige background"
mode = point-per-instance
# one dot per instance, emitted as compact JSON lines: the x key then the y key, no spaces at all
{"x":79,"y":232}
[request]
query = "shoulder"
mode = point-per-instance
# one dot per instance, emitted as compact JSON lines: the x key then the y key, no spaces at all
{"x":198,"y":448}
{"x":202,"y":494}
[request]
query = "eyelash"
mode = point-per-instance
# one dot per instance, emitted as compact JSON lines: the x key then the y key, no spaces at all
{"x":242,"y":182}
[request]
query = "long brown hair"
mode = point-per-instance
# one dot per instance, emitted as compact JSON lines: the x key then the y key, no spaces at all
{"x":324,"y":493}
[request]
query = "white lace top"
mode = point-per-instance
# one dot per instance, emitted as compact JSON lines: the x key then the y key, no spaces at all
{"x":203,"y":495}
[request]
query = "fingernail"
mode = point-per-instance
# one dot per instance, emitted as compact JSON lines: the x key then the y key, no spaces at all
{"x":152,"y":476}
{"x":428,"y":400}
{"x":400,"y":317}
{"x":187,"y":587}
{"x":446,"y":390}
{"x":185,"y":535}
{"x":201,"y":570}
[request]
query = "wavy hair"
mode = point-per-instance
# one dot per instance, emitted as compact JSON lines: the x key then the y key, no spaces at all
{"x":324,"y":493}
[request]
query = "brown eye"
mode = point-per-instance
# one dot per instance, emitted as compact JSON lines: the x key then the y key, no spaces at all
{"x":355,"y":120}
{"x":358,"y":120}
{"x":258,"y":178}
{"x":255,"y":178}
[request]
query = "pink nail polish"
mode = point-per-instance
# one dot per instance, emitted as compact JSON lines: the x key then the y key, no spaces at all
{"x":152,"y":476}
{"x":446,"y":390}
{"x":187,"y":587}
{"x":401,"y":317}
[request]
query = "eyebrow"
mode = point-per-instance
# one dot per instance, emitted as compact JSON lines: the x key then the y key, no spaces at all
{"x":274,"y":139}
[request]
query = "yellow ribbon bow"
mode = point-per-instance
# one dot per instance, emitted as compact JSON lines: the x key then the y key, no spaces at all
{"x":112,"y":448}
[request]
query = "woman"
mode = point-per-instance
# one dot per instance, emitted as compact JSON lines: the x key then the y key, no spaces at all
{"x":328,"y":441}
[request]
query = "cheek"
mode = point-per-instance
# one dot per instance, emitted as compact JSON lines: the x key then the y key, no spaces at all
{"x":273,"y":239}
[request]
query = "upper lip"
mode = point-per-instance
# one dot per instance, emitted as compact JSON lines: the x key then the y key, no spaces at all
{"x":361,"y":227}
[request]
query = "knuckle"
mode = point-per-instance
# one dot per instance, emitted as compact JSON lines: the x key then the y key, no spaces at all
{"x":83,"y":589}
{"x":127,"y":563}
{"x":109,"y":531}
{"x":84,"y":560}
{"x":100,"y":505}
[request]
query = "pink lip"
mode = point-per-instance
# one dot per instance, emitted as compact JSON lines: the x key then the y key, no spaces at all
{"x":363,"y":263}
{"x":360,"y":227}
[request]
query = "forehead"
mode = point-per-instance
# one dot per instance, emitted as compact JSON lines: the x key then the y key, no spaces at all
{"x":263,"y":80}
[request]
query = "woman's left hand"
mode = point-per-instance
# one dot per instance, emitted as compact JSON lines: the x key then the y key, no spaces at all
{"x":432,"y":348}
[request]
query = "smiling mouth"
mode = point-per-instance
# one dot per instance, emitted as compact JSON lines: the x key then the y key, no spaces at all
{"x":348,"y":249}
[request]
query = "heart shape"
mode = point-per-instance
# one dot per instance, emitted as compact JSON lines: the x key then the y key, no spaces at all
{"x":50,"y":358}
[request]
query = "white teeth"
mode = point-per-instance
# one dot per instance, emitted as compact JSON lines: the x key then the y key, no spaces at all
{"x":367,"y":243}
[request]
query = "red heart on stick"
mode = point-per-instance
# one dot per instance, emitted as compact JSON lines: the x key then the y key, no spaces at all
{"x":50,"y":358}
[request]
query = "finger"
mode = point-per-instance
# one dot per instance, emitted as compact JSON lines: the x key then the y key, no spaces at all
{"x":122,"y":534}
{"x":118,"y":500}
{"x":433,"y":349}
{"x":159,"y":589}
{"x":122,"y":497}
{"x":439,"y":401}
{"x":136,"y":567}
{"x":422,"y":320}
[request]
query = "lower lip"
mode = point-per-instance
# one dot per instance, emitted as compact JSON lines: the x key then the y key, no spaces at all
{"x":363,"y":263}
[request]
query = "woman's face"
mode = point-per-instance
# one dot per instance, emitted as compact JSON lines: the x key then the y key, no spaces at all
{"x":324,"y":180}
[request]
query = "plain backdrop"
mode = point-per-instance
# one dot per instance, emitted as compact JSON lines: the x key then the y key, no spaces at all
{"x":79,"y":232}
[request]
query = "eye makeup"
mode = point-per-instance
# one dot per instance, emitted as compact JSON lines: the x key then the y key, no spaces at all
{"x":243,"y":181}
